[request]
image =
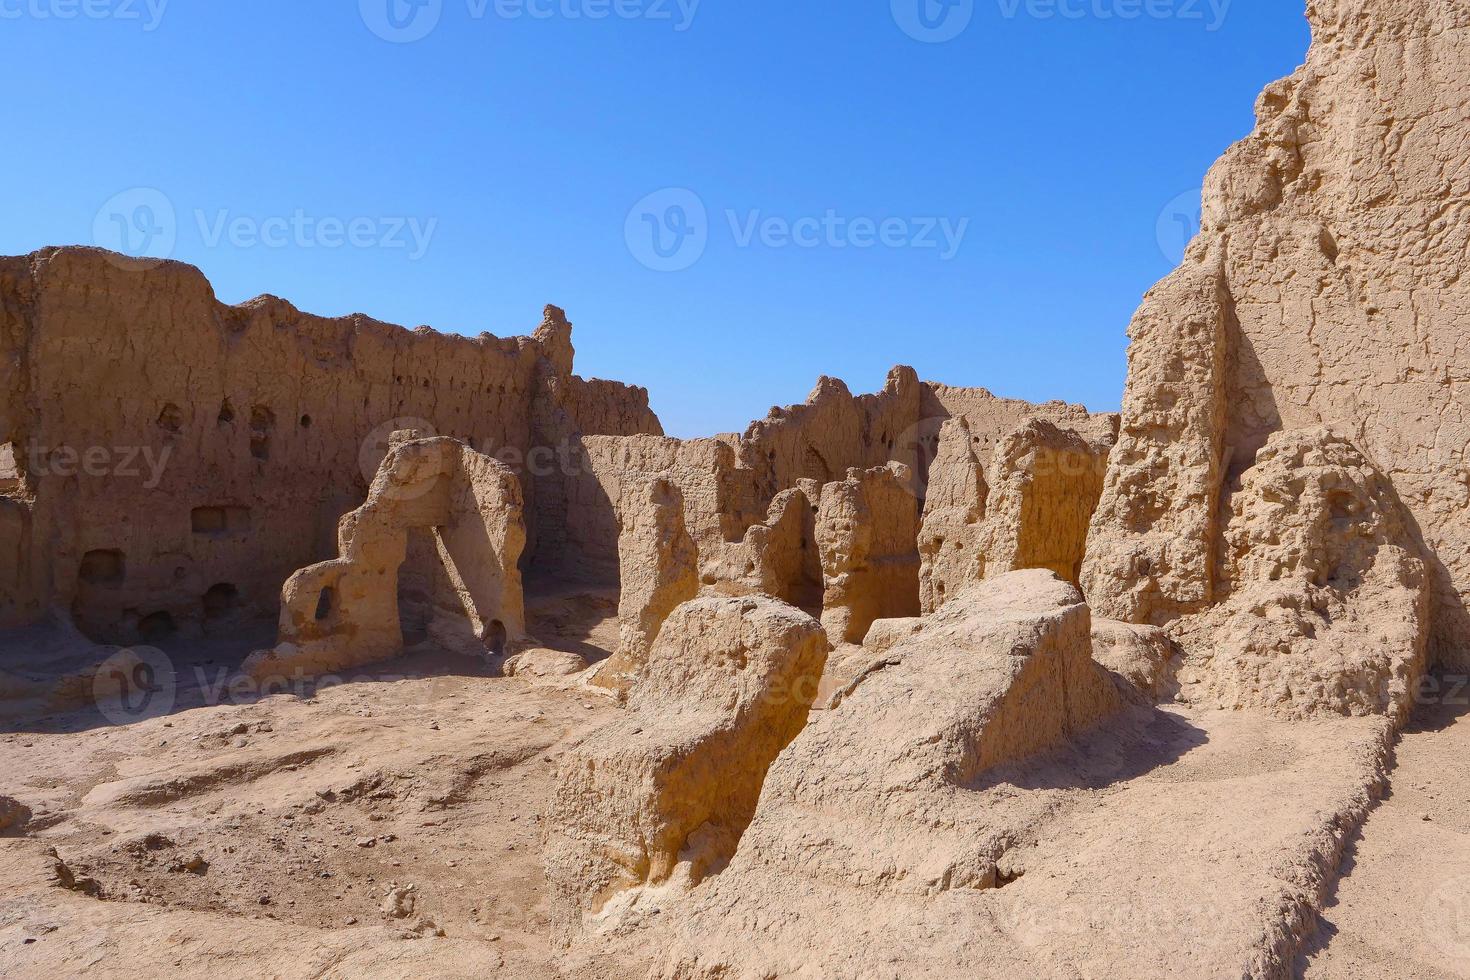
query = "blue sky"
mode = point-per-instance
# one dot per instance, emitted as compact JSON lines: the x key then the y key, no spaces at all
{"x":983,"y":189}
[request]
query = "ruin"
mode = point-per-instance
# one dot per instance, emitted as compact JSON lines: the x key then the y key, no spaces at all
{"x":921,"y":682}
{"x":348,"y":612}
{"x":659,"y":569}
{"x":866,"y":529}
{"x":666,"y":792}
{"x":889,"y":773}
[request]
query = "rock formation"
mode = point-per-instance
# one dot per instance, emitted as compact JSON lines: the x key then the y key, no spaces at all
{"x":778,"y":558}
{"x":1029,"y":509}
{"x":1045,"y":483}
{"x":1067,"y":651}
{"x":1324,"y":289}
{"x":1151,"y":547}
{"x":659,"y":572}
{"x":605,"y":477}
{"x":878,"y":795}
{"x":1145,"y":658}
{"x":346,"y":612}
{"x":867,"y":528}
{"x":178,"y":458}
{"x":13,"y":816}
{"x":730,"y":482}
{"x":950,"y":537}
{"x":667,"y":790}
{"x":1326,"y":600}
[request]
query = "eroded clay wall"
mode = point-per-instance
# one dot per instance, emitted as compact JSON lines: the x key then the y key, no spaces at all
{"x":729,"y":482}
{"x":1338,"y":229}
{"x":178,"y":448}
{"x":603,"y":471}
{"x":833,"y":432}
{"x":1328,"y":273}
{"x":992,"y":418}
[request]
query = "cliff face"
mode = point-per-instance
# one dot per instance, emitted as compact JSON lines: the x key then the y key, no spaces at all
{"x":1325,"y":289}
{"x":181,"y":457}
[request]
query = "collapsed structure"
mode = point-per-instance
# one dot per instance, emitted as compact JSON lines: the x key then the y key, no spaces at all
{"x":172,"y":460}
{"x":1322,"y":292}
{"x":348,"y":612}
{"x":1276,"y":524}
{"x":661,"y":797}
{"x":237,"y":438}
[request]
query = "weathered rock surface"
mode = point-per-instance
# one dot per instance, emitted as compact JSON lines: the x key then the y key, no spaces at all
{"x":659,"y":572}
{"x":666,"y":791}
{"x":1283,"y":531}
{"x":1045,"y":483}
{"x":951,"y":536}
{"x":877,"y":795}
{"x":866,"y":529}
{"x":13,"y":815}
{"x":779,"y":558}
{"x":346,"y":612}
{"x":1152,"y":543}
{"x":1144,"y":657}
{"x":1328,"y":598}
{"x":1027,"y":507}
{"x":730,"y":483}
{"x":606,"y":479}
{"x":1324,"y":289}
{"x":179,"y":458}
{"x":540,"y":662}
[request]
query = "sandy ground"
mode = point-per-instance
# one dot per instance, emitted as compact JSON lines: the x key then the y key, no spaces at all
{"x":338,"y":831}
{"x":262,"y":836}
{"x":1173,"y":843}
{"x":1402,"y":907}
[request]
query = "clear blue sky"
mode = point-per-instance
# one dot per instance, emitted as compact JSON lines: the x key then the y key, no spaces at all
{"x":519,"y":138}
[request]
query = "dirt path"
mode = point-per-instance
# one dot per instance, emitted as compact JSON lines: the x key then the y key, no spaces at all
{"x":1402,"y":907}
